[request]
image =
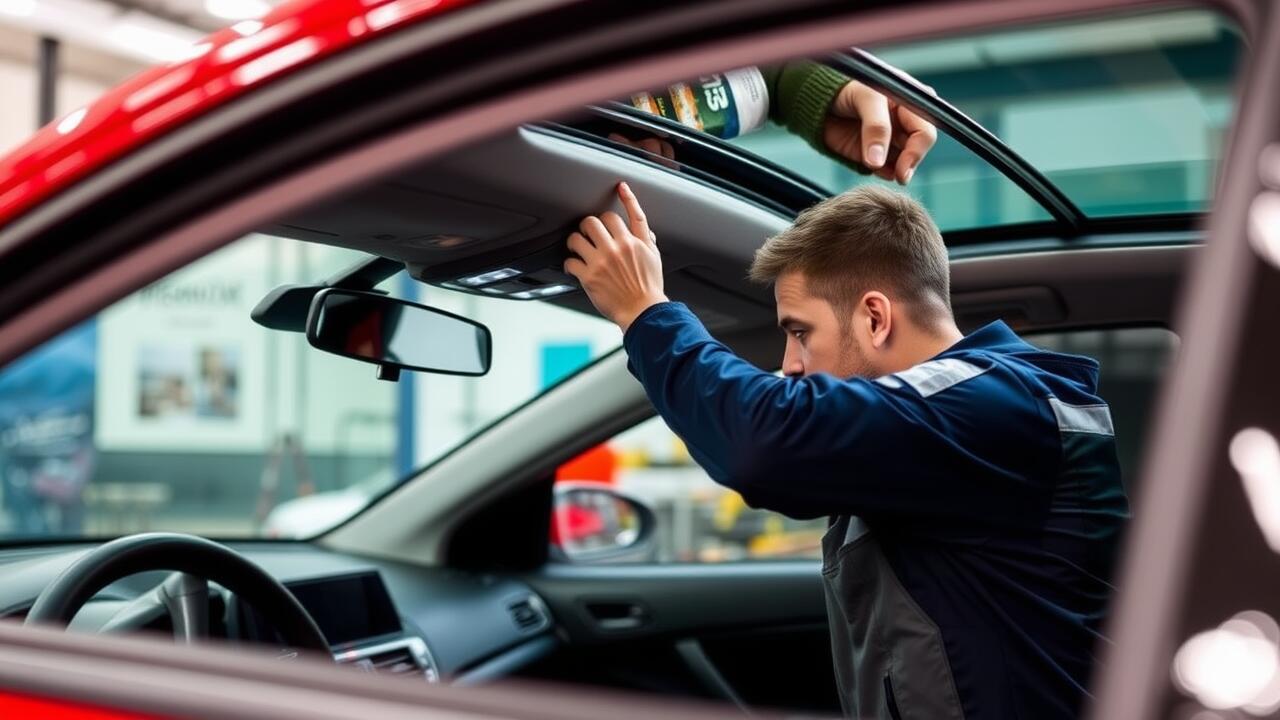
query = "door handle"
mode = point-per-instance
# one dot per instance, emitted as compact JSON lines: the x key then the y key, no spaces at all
{"x":615,"y":615}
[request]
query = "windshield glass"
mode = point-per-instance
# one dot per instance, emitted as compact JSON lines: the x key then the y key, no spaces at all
{"x":1125,"y":114}
{"x":212,"y":424}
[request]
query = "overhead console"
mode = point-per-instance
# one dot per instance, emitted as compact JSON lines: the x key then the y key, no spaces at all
{"x":492,"y":219}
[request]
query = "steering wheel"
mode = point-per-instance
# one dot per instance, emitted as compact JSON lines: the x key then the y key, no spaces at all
{"x":185,"y":593}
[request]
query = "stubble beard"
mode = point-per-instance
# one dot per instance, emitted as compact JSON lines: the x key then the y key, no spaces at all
{"x":853,"y":361}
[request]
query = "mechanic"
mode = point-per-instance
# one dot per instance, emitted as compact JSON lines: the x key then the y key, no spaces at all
{"x":972,"y":481}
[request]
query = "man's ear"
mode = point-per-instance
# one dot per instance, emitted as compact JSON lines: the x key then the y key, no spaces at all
{"x":879,"y":312}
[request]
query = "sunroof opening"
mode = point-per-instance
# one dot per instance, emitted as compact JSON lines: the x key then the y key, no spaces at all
{"x":960,"y":189}
{"x":1125,"y":114}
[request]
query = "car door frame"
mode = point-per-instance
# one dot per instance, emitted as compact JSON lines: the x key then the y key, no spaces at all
{"x":124,"y":255}
{"x":1220,"y":385}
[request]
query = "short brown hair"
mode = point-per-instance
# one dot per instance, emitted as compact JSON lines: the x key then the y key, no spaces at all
{"x":864,"y":239}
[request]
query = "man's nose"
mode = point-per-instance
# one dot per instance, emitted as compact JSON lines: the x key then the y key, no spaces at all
{"x":792,"y":366}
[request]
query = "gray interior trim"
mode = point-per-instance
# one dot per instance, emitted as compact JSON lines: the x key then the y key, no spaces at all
{"x":414,"y":521}
{"x":507,"y":176}
{"x":508,"y":662}
{"x":143,"y":674}
{"x":690,"y":650}
{"x":1102,"y":286}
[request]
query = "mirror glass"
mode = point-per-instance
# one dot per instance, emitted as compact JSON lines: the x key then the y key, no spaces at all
{"x":589,"y":521}
{"x":389,"y":331}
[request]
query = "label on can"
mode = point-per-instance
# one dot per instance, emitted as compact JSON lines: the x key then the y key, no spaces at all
{"x":725,"y":105}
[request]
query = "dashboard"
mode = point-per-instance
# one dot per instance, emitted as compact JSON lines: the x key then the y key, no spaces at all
{"x":380,"y":616}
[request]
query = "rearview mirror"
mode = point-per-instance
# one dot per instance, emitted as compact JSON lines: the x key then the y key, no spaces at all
{"x":396,"y":334}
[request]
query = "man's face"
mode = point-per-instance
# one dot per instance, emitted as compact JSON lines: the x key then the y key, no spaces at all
{"x":817,"y":340}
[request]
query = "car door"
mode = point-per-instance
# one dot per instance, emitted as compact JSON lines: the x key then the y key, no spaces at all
{"x":50,"y":674}
{"x":1195,"y":625}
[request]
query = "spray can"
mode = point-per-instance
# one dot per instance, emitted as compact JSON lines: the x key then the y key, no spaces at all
{"x":725,"y":105}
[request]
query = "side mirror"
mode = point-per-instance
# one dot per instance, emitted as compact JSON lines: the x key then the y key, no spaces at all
{"x":396,"y":334}
{"x":592,"y":523}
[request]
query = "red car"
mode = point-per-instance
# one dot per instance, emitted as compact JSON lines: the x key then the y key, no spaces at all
{"x":1108,"y":181}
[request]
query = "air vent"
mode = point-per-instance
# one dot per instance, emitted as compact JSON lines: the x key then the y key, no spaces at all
{"x":397,"y":662}
{"x":530,"y":614}
{"x":407,"y":657}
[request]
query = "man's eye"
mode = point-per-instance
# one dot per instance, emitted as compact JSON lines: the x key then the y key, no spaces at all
{"x":799,"y":334}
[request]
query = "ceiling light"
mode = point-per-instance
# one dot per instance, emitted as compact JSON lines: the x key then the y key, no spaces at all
{"x":18,"y":8}
{"x":152,"y":38}
{"x":446,"y":242}
{"x":489,"y":277}
{"x":542,"y":292}
{"x":237,"y":9}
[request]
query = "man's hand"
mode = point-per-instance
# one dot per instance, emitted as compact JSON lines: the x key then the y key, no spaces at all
{"x":876,"y":132}
{"x":618,"y":262}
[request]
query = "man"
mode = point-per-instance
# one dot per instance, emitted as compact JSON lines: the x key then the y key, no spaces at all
{"x":972,"y":480}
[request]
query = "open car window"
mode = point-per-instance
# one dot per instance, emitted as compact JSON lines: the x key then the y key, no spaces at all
{"x":172,"y":410}
{"x":1158,"y":87}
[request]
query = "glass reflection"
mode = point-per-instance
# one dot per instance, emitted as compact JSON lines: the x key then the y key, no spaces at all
{"x":389,"y":331}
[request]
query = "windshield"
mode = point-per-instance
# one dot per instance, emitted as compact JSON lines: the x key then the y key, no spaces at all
{"x":172,"y":410}
{"x":1125,"y":115}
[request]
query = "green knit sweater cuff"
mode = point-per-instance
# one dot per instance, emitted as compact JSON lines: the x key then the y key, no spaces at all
{"x":805,"y":93}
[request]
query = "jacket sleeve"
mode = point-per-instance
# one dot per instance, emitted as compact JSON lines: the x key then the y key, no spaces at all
{"x":820,"y":445}
{"x":800,"y":94}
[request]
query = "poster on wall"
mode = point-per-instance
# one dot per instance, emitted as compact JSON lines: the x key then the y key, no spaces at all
{"x":186,"y":380}
{"x":47,"y":454}
{"x":188,"y":365}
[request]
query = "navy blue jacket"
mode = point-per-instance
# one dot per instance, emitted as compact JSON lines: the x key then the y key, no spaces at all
{"x":987,"y":475}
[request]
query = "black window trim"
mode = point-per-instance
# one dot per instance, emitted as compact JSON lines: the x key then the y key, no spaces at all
{"x":707,"y":157}
{"x":736,"y":169}
{"x":871,"y":70}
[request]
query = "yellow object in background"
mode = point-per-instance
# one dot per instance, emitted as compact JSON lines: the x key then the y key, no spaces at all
{"x":728,"y":507}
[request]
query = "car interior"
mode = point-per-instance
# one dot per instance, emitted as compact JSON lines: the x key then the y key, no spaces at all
{"x":447,"y":573}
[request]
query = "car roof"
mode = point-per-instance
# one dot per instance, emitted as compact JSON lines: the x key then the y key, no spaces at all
{"x":223,"y":66}
{"x":231,"y":62}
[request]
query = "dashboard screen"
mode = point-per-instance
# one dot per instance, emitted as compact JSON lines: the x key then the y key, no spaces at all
{"x":348,"y":608}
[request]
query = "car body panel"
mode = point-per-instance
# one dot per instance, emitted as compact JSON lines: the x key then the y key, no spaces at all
{"x":229,"y":63}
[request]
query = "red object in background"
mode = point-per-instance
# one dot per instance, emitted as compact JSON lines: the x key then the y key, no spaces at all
{"x":599,"y":464}
{"x":21,"y":707}
{"x":572,"y":522}
{"x":224,"y":66}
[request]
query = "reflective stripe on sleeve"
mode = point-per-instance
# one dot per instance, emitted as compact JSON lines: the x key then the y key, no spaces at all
{"x":1095,"y":419}
{"x":935,"y":376}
